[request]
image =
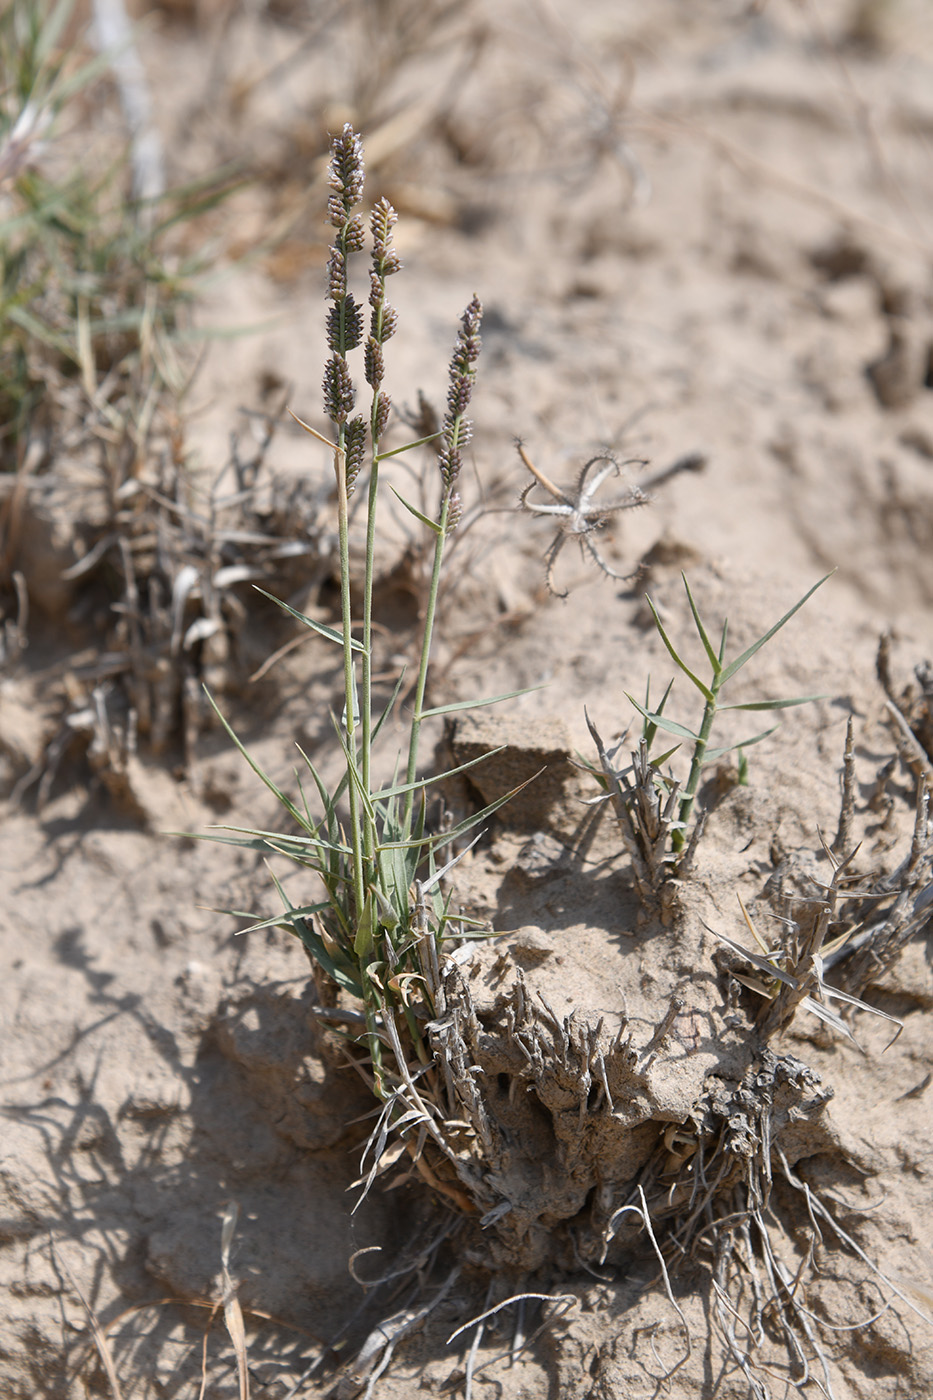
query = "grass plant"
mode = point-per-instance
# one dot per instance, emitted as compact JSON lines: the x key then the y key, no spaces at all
{"x":654,"y":809}
{"x":99,"y":266}
{"x":376,"y":931}
{"x":91,"y":292}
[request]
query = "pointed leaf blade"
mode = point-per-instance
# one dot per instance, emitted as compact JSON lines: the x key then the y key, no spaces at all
{"x":669,"y":726}
{"x":421,"y":783}
{"x":715,"y":659}
{"x":412,"y":510}
{"x":712,"y":754}
{"x":703,"y":689}
{"x":762,"y":964}
{"x":830,"y":1017}
{"x":407,"y":447}
{"x":330,"y":633}
{"x":277,"y":792}
{"x":775,"y":704}
{"x":457,"y":705}
{"x":740,"y":661}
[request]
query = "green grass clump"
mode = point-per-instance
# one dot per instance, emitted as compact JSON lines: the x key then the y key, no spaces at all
{"x":653,"y":807}
{"x":91,"y":294}
{"x":376,"y":930}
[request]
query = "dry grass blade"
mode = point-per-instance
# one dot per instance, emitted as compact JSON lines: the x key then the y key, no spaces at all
{"x":376,"y":1353}
{"x":474,"y":1349}
{"x":97,"y":1332}
{"x":645,"y":804}
{"x":796,"y":975}
{"x":568,"y":1299}
{"x":843,"y":841}
{"x":909,"y":747}
{"x":641,"y":1210}
{"x":817,"y":1208}
{"x":233,"y":1313}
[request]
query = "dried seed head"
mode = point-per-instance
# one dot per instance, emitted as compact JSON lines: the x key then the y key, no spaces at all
{"x":355,"y":447}
{"x":346,"y":172}
{"x":339,"y":395}
{"x":373,"y":362}
{"x":383,"y":408}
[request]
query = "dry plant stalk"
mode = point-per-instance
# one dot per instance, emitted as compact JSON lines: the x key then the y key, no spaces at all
{"x":579,"y":513}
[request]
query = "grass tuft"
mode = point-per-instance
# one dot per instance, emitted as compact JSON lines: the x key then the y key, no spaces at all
{"x":654,"y":809}
{"x":376,"y":931}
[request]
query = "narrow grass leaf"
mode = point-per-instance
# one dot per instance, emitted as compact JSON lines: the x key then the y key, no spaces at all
{"x":365,"y":933}
{"x":830,"y":1017}
{"x":277,"y":792}
{"x":387,"y":911}
{"x":458,"y":705}
{"x":51,"y":28}
{"x":328,"y":802}
{"x":407,"y":447}
{"x":330,"y":633}
{"x":436,"y":777}
{"x":762,"y":964}
{"x":280,"y":838}
{"x":775,"y":704}
{"x":354,"y":774}
{"x":712,"y":754}
{"x":437,"y":875}
{"x":715,"y":659}
{"x":263,"y":845}
{"x":44,"y":334}
{"x":425,"y":520}
{"x":649,"y":730}
{"x":860,"y":1005}
{"x":664,"y":757}
{"x":312,"y":825}
{"x":436,"y":843}
{"x":277,"y":920}
{"x":740,"y":661}
{"x":703,"y":689}
{"x":670,"y":726}
{"x":391,"y":705}
{"x":341,"y":972}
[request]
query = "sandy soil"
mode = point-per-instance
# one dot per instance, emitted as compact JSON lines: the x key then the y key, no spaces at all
{"x":695,"y":228}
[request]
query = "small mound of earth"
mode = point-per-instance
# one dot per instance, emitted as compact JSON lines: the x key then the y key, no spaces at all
{"x":581,"y":1083}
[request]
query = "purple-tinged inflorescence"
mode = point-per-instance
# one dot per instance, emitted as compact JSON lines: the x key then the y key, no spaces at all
{"x":355,"y":448}
{"x":339,"y":394}
{"x":457,"y":429}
